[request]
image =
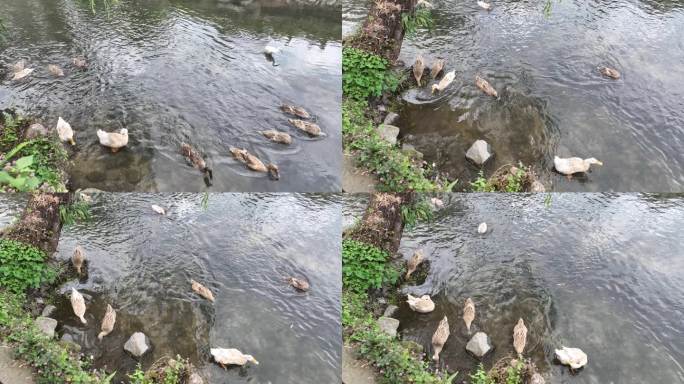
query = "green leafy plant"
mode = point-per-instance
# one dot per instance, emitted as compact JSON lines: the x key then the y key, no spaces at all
{"x":23,"y":266}
{"x":515,"y":181}
{"x":164,"y":371}
{"x":365,"y":266}
{"x":481,"y":184}
{"x":10,"y":130}
{"x":20,"y":176}
{"x":514,"y":374}
{"x":396,"y":171}
{"x":419,"y":210}
{"x":421,"y":18}
{"x":480,"y":376}
{"x":365,"y":75}
{"x":78,"y":211}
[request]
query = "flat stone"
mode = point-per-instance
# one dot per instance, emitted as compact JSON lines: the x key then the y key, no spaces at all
{"x":537,"y":378}
{"x":137,"y":344}
{"x":389,"y":133}
{"x":390,"y":310}
{"x":388,"y":325}
{"x":195,"y":378}
{"x":12,"y":371}
{"x":391,"y":118}
{"x":537,"y":187}
{"x":479,"y":152}
{"x":355,"y":180}
{"x":48,"y":310}
{"x":411,"y":151}
{"x":355,"y":371}
{"x":479,"y":345}
{"x":46,"y":325}
{"x":36,"y":130}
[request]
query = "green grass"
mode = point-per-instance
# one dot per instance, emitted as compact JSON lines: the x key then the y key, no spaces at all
{"x":421,"y":18}
{"x":365,"y":266}
{"x":365,"y":75}
{"x":23,"y":266}
{"x":169,"y":372}
{"x":78,"y":211}
{"x":52,"y":361}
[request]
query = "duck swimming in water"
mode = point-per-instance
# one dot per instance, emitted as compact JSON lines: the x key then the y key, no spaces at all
{"x":114,"y":140}
{"x":299,"y":284}
{"x":107,"y":322}
{"x":77,"y":259}
{"x":80,"y":62}
{"x":78,"y":305}
{"x":437,"y":67}
{"x":423,"y":304}
{"x":485,"y":5}
{"x":418,"y":68}
{"x":277,"y":136}
{"x":572,"y":165}
{"x":295,"y":111}
{"x":197,"y":161}
{"x":573,"y":357}
{"x":158,"y":209}
{"x":413,"y":262}
{"x":446,"y":80}
{"x":55,"y":70}
{"x":202,"y":290}
{"x":468,"y":313}
{"x":231,"y":356}
{"x":311,"y":128}
{"x":64,"y":131}
{"x":485,"y":86}
{"x":610,"y":72}
{"x":252,"y":162}
{"x":519,"y":336}
{"x":439,"y":338}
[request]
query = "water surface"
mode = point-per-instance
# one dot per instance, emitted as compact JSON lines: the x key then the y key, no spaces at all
{"x":552,"y":99}
{"x":604,"y":273}
{"x":181,"y":71}
{"x":242,"y":247}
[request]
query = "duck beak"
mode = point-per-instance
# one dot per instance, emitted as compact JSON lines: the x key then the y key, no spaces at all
{"x":599,"y":163}
{"x":72,"y":141}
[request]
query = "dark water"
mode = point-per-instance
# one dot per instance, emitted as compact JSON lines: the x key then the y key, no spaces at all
{"x":242,"y":248}
{"x":552,"y":98}
{"x":181,"y":71}
{"x":600,"y":272}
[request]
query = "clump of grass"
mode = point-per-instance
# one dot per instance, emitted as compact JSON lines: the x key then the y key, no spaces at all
{"x":507,"y":178}
{"x":78,"y":211}
{"x":164,"y":371}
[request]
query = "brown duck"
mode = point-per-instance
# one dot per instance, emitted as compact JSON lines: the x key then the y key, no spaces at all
{"x":299,"y":284}
{"x":306,"y":126}
{"x":277,"y":136}
{"x":485,"y":86}
{"x":437,"y":68}
{"x":196,"y":159}
{"x":440,"y":337}
{"x":107,"y":322}
{"x":295,"y":111}
{"x":610,"y":72}
{"x":519,"y":336}
{"x":468,"y":313}
{"x":77,"y":259}
{"x":418,"y":68}
{"x":252,"y":162}
{"x":414,"y":262}
{"x":202,"y":290}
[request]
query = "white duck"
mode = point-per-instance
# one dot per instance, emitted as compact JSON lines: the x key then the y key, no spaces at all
{"x":446,"y":80}
{"x":482,"y":228}
{"x":64,"y":131}
{"x":571,"y":165}
{"x":113,"y":140}
{"x":574,"y":357}
{"x":231,"y":356}
{"x":158,"y":209}
{"x":485,"y":5}
{"x":423,"y":304}
{"x":78,"y":305}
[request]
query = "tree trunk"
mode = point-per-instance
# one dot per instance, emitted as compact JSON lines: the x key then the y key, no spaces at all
{"x":382,"y":223}
{"x":40,"y":223}
{"x":383,"y":31}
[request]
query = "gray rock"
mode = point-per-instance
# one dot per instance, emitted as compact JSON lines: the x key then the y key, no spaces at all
{"x":389,"y":133}
{"x":46,"y":325}
{"x":137,"y":344}
{"x":195,"y":378}
{"x":391,"y":118}
{"x":537,"y":378}
{"x":48,"y":310}
{"x":390,"y":310}
{"x":411,"y":151}
{"x":36,"y":130}
{"x":382,"y":108}
{"x":388,"y":325}
{"x":537,"y":187}
{"x":479,"y":152}
{"x":479,"y":345}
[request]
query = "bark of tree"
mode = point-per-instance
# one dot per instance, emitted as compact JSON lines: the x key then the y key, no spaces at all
{"x":382,"y":223}
{"x":40,"y":223}
{"x":383,"y":31}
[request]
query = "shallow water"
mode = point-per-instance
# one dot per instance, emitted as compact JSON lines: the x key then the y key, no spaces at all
{"x":552,"y":99}
{"x":600,"y":272}
{"x":11,"y":207}
{"x":181,"y":71}
{"x":242,"y":248}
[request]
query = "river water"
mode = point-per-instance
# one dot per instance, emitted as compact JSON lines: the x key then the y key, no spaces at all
{"x":604,"y":273}
{"x":181,"y":71}
{"x":242,"y":247}
{"x":552,"y":99}
{"x":11,"y":207}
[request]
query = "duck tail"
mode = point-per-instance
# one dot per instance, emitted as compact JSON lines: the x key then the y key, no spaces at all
{"x":101,"y":335}
{"x":72,"y":141}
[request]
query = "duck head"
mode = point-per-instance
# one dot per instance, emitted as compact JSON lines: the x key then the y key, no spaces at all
{"x":592,"y":160}
{"x":251,"y":359}
{"x":435,"y":88}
